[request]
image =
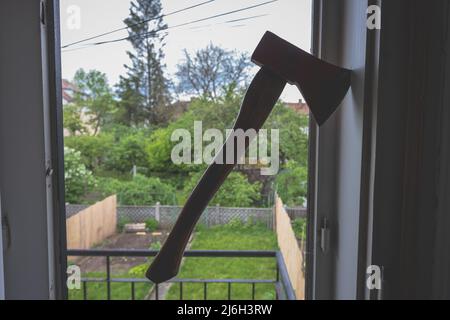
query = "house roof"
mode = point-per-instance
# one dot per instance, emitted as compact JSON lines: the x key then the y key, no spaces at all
{"x":300,"y":107}
{"x":68,"y":89}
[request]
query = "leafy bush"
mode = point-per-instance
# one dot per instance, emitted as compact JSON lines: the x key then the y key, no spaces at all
{"x":236,"y":191}
{"x":159,"y":149}
{"x":155,"y":245}
{"x":138,"y":271}
{"x":78,"y":179}
{"x":94,"y":150}
{"x":234,"y":223}
{"x":121,"y":222}
{"x":72,"y":119}
{"x":151,"y":224}
{"x":141,"y":190}
{"x":129,"y":150}
{"x":299,"y":227}
{"x":292,"y":184}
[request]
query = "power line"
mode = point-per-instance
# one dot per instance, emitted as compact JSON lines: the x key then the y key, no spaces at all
{"x":247,"y":18}
{"x":137,"y":24}
{"x":203,"y":27}
{"x":147,"y":34}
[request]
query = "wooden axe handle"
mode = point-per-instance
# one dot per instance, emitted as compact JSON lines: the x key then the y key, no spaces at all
{"x":257,"y":105}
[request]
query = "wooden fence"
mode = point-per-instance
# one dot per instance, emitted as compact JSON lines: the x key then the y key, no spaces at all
{"x":92,"y":225}
{"x":290,"y":248}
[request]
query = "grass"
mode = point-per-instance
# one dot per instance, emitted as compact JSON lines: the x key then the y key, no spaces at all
{"x":234,"y":236}
{"x":119,"y":291}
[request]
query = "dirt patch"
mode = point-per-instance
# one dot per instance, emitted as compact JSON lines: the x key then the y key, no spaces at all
{"x":122,"y":241}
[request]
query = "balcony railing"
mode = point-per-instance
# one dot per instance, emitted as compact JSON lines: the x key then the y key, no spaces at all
{"x":282,"y":284}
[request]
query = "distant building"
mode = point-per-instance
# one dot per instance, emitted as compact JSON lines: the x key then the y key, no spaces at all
{"x":300,"y":107}
{"x":68,"y":91}
{"x":68,"y":95}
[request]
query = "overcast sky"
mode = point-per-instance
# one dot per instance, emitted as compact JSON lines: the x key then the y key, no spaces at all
{"x":290,"y":19}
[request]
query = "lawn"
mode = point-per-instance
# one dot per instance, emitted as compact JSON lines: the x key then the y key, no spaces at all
{"x":234,"y":236}
{"x":119,"y":291}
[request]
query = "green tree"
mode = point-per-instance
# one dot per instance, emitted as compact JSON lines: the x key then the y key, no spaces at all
{"x":236,"y":191}
{"x":95,"y":96}
{"x":212,"y":71}
{"x":145,"y":87}
{"x":291,"y":184}
{"x":141,"y":190}
{"x":131,"y":104}
{"x":78,"y":179}
{"x":293,"y":129}
{"x":128,"y":151}
{"x":219,"y":114}
{"x":159,"y":149}
{"x":72,"y":119}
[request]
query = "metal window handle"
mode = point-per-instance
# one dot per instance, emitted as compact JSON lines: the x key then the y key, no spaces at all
{"x":323,"y":86}
{"x":6,"y":231}
{"x":325,"y":236}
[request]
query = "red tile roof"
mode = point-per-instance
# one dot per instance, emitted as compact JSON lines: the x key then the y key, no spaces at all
{"x":68,"y":90}
{"x":300,"y":107}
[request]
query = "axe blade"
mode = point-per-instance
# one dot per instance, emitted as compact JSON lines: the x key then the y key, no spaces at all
{"x":322,"y":84}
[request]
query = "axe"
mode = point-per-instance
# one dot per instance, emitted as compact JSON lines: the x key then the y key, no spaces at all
{"x":323,"y":86}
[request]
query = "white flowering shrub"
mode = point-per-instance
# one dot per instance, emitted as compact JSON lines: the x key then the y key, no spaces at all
{"x":79,"y":180}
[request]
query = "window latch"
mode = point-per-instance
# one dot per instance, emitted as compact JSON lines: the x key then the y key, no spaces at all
{"x":325,"y":236}
{"x":6,"y":231}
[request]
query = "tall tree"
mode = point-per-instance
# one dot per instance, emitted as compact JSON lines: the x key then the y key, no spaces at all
{"x":72,"y":119}
{"x":144,"y":89}
{"x":212,"y":71}
{"x":94,"y":97}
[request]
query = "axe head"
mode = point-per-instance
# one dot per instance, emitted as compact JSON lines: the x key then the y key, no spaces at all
{"x":322,"y":84}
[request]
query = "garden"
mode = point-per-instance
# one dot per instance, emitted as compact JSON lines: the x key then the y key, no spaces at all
{"x":232,"y":236}
{"x":119,"y":140}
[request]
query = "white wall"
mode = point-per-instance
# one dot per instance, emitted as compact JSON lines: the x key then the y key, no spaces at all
{"x":22,"y":149}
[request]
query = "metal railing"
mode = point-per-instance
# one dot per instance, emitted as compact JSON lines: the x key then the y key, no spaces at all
{"x":282,"y":284}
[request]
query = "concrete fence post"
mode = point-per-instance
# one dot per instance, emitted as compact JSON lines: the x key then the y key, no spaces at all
{"x":219,"y":218}
{"x":157,"y":212}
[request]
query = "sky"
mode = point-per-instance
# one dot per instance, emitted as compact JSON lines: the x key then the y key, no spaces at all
{"x":81,"y":19}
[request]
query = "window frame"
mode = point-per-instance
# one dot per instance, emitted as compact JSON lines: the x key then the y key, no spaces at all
{"x":52,"y":14}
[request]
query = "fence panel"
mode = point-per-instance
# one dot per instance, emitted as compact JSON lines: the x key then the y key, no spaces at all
{"x":136,"y":214}
{"x":214,"y":215}
{"x":168,"y":215}
{"x":92,"y":225}
{"x":290,"y":249}
{"x":72,"y":209}
{"x":211,"y":216}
